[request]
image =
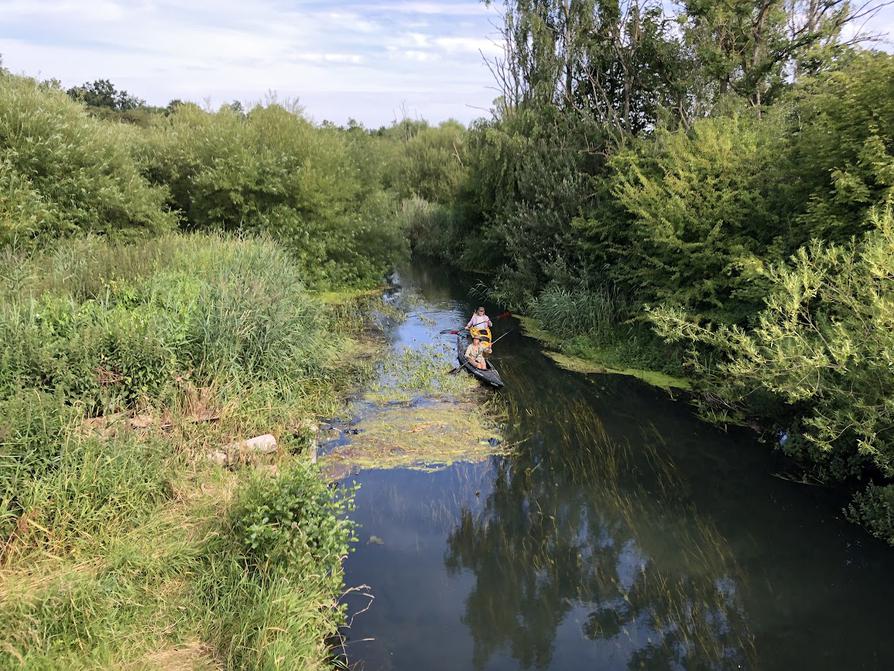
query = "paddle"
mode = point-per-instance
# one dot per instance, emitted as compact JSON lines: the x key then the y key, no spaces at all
{"x":501,"y":337}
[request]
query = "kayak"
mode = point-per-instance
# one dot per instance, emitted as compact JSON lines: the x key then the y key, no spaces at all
{"x":489,"y":376}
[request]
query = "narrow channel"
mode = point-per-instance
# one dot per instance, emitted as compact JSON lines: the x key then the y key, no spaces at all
{"x":620,"y":533}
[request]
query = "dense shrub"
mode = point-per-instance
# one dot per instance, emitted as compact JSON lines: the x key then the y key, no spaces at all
{"x":823,"y":344}
{"x":706,"y":211}
{"x":431,"y":227}
{"x":430,"y":164}
{"x":293,"y":523}
{"x":63,"y":172}
{"x":874,"y":508}
{"x":273,"y":172}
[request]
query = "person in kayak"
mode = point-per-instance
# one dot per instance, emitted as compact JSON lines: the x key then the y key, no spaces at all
{"x":475,"y":354}
{"x":479,"y":320}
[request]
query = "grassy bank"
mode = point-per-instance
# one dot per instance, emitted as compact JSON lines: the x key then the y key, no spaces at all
{"x":123,"y":545}
{"x":594,"y":331}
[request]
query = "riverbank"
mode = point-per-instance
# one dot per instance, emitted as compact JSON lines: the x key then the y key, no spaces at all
{"x":584,"y":355}
{"x":127,"y":372}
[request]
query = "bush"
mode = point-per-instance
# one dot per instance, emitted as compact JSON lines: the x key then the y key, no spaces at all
{"x":874,"y":509}
{"x":293,"y":523}
{"x":705,"y":215}
{"x":273,"y":172}
{"x":431,"y":164}
{"x":432,"y":228}
{"x":64,"y":173}
{"x":823,"y":345}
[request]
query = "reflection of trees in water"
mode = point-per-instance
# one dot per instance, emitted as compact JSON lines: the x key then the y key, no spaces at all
{"x":586,"y":522}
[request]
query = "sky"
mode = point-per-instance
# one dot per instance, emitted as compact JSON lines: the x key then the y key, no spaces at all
{"x":374,"y":61}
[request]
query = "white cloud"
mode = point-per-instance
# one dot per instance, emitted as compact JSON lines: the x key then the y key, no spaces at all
{"x":377,"y":54}
{"x":468,"y":44}
{"x":419,"y":56}
{"x":432,"y":8}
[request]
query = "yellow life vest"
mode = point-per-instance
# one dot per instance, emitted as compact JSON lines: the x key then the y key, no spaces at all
{"x":483,"y":334}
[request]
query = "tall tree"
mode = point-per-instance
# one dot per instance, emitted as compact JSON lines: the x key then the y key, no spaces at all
{"x":755,"y":48}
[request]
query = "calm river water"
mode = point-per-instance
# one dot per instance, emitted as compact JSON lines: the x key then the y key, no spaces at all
{"x":623,"y":533}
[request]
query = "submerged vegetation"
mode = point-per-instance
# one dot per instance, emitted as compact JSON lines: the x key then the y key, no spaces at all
{"x":416,"y":416}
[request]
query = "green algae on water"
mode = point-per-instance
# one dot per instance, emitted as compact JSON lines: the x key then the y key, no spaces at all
{"x":653,"y":377}
{"x":427,"y":438}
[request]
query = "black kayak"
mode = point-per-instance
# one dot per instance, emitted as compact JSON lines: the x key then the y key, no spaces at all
{"x":489,"y":376}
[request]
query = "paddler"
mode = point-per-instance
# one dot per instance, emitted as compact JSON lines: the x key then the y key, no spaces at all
{"x":475,"y":354}
{"x":479,"y":322}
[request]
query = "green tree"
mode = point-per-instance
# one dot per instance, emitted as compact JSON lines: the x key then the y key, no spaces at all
{"x":706,"y":208}
{"x":102,"y":93}
{"x":753,"y":47}
{"x":431,"y":163}
{"x":272,"y":171}
{"x":824,"y":345}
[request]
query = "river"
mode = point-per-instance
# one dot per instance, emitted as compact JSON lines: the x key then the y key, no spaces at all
{"x":621,"y":533}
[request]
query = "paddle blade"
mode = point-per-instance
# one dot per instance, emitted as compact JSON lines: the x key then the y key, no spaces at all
{"x":451,"y":331}
{"x":504,"y":315}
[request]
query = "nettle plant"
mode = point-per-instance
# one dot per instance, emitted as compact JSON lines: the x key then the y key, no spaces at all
{"x":295,"y":522}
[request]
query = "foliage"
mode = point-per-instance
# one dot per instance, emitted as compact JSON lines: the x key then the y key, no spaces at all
{"x":102,"y":93}
{"x":207,"y":309}
{"x":706,"y":209}
{"x":294,"y":521}
{"x":843,"y":146}
{"x":823,"y":343}
{"x":272,"y":172}
{"x":119,"y":545}
{"x":431,"y":227}
{"x":751,"y":48}
{"x":594,"y":311}
{"x":874,"y":508}
{"x":528,"y":179}
{"x":64,"y":173}
{"x":431,"y":164}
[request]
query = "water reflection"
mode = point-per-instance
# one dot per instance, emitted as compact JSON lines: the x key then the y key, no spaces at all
{"x":622,"y":533}
{"x":580,"y":525}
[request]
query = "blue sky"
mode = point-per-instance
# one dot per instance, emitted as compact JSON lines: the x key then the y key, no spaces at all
{"x":374,"y":61}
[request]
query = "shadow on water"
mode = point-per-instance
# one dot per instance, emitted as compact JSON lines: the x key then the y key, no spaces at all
{"x":621,"y":533}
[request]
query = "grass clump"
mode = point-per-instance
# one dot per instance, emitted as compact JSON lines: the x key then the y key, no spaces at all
{"x":585,"y":353}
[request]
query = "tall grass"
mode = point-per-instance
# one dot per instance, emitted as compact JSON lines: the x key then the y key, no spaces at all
{"x":115,"y":326}
{"x":120,"y":545}
{"x":598,"y":311}
{"x":600,"y":324}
